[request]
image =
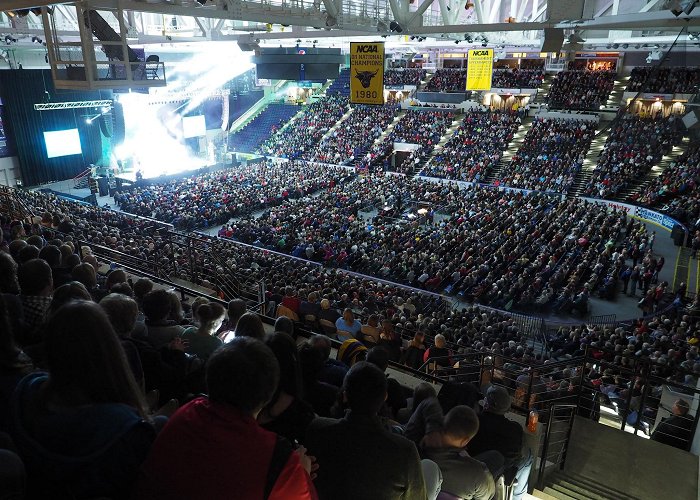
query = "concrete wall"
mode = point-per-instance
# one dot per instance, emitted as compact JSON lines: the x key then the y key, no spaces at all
{"x":639,"y":467}
{"x":9,"y":171}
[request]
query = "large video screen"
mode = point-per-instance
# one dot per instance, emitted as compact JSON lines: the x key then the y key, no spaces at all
{"x":194,"y":126}
{"x":62,"y":143}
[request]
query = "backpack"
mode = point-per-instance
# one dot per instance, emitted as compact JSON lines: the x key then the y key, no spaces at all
{"x":280,"y":456}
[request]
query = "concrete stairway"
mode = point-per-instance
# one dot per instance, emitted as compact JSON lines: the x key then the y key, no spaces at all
{"x":336,"y":125}
{"x":673,"y":156}
{"x":441,"y":145}
{"x":383,"y":136}
{"x":496,"y":172}
{"x":543,"y":90}
{"x":572,"y":487}
{"x":589,"y":163}
{"x":615,"y":97}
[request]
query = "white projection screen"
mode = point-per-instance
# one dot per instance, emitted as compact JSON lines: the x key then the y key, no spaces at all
{"x":193,"y":126}
{"x":62,"y":143}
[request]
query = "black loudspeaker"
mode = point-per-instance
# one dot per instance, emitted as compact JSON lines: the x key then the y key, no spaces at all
{"x":118,"y":126}
{"x":677,"y":235}
{"x":248,"y":46}
{"x":692,"y":120}
{"x":103,"y":186}
{"x":553,"y":40}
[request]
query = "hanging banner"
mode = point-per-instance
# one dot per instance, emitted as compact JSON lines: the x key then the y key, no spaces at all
{"x":367,"y":73}
{"x":479,"y":69}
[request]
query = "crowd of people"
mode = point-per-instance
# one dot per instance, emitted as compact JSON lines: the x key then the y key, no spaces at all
{"x":212,"y":198}
{"x":517,"y":78}
{"x":424,"y":127}
{"x":475,"y":147}
{"x":459,"y":254}
{"x":574,"y":89}
{"x":633,"y":146}
{"x":675,"y":189}
{"x":678,"y":80}
{"x":407,"y":76}
{"x":301,"y":135}
{"x":118,"y":356}
{"x":354,"y":135}
{"x":448,"y":80}
{"x":551,"y":155}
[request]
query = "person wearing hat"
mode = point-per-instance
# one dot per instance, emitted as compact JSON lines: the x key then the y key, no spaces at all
{"x":496,"y":432}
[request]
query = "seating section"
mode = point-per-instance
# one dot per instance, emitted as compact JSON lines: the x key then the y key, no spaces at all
{"x":209,"y":199}
{"x":341,"y":85}
{"x":581,"y":89}
{"x":551,"y":155}
{"x":675,"y":191}
{"x":448,"y":80}
{"x":243,"y":102}
{"x":423,"y":127}
{"x":475,"y":147}
{"x":353,"y":136}
{"x":407,"y":76}
{"x":634,"y":145}
{"x":664,"y":80}
{"x":517,"y":78}
{"x":260,"y":128}
{"x":301,"y":136}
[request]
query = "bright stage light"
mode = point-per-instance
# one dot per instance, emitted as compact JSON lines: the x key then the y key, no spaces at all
{"x":154,"y":138}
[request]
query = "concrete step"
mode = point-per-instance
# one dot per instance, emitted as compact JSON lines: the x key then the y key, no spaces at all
{"x":540,"y":494}
{"x":559,"y":495}
{"x":593,"y":488}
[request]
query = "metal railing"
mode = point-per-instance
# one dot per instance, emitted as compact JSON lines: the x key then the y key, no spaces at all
{"x":555,"y":440}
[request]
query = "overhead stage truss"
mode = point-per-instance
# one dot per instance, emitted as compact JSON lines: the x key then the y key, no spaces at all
{"x":49,"y":106}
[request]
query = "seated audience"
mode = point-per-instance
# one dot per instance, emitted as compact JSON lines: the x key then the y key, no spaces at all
{"x":464,"y":476}
{"x":202,"y":341}
{"x":576,"y":89}
{"x":359,"y":437}
{"x":235,"y":455}
{"x":496,"y":432}
{"x":81,"y":428}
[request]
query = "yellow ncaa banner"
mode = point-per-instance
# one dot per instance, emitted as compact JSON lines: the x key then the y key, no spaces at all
{"x":367,"y":73}
{"x":479,"y":69}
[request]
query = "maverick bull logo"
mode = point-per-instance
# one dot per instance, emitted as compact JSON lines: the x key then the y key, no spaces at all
{"x":365,"y":77}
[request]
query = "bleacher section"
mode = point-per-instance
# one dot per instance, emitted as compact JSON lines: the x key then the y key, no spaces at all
{"x":551,"y":155}
{"x":634,"y":145}
{"x":475,"y":147}
{"x":340,"y":85}
{"x":243,"y":102}
{"x":265,"y":124}
{"x":354,"y":136}
{"x":575,"y":89}
{"x":664,"y":80}
{"x":300,"y":137}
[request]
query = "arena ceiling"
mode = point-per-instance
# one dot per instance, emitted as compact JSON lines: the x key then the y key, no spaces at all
{"x":509,"y":22}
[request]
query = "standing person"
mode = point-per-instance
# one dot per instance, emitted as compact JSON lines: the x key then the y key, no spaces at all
{"x":235,"y":456}
{"x":625,"y":277}
{"x":360,"y":437}
{"x":634,"y":279}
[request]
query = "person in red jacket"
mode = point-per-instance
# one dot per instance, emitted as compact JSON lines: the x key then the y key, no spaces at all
{"x":213,"y":448}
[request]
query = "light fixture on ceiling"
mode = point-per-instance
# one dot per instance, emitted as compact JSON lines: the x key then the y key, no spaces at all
{"x":394,"y":26}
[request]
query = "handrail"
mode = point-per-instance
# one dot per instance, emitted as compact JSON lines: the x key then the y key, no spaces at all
{"x":547,"y":435}
{"x":82,"y":174}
